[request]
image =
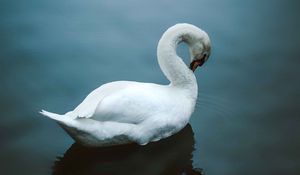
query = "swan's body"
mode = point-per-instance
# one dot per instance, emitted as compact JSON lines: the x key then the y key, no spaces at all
{"x":124,"y":111}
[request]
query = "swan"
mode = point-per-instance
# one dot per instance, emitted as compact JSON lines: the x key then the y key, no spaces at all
{"x":124,"y":112}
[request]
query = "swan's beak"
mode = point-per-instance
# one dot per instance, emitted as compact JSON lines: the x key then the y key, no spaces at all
{"x":197,"y":62}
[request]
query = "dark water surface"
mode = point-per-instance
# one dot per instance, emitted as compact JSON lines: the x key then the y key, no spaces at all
{"x":53,"y":53}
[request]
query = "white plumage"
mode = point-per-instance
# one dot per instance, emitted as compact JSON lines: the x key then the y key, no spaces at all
{"x":124,"y":111}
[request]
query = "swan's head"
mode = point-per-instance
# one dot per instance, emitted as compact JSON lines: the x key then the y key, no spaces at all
{"x":197,"y":40}
{"x":199,"y":47}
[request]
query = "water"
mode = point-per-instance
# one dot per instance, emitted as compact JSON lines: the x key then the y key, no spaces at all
{"x":170,"y":156}
{"x":53,"y":53}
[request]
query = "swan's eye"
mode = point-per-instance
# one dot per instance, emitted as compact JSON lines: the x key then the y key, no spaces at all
{"x":205,"y":56}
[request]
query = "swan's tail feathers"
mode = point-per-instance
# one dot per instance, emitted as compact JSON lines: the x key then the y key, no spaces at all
{"x":51,"y":115}
{"x":63,"y":119}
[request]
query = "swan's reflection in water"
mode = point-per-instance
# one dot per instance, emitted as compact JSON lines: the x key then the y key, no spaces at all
{"x":169,"y":156}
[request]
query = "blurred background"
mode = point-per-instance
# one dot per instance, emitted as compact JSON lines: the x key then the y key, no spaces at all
{"x":53,"y":53}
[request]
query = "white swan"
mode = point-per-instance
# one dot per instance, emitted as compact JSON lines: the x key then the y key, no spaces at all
{"x":124,"y":111}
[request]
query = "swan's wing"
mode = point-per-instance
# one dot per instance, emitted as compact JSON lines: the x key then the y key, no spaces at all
{"x":134,"y":104}
{"x":88,"y":106}
{"x":125,"y":102}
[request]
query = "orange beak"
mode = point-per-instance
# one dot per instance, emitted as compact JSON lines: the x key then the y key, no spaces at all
{"x":196,"y":63}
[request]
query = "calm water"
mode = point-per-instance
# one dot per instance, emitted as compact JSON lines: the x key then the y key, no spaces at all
{"x":53,"y":53}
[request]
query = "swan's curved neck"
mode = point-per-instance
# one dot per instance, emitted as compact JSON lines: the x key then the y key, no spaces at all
{"x":170,"y":63}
